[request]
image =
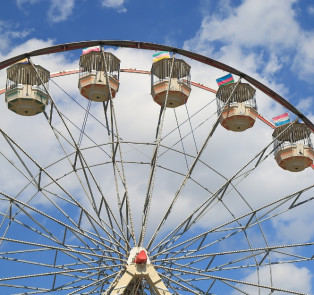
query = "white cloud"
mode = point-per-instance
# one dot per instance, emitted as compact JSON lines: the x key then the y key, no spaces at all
{"x":289,"y":225}
{"x":21,"y":2}
{"x":269,"y":29}
{"x":273,"y":65}
{"x":8,"y":32}
{"x":285,"y":276}
{"x":305,"y":104}
{"x":116,"y":4}
{"x":310,"y":9}
{"x":60,"y":10}
{"x":253,"y":23}
{"x":303,"y":62}
{"x":29,"y":45}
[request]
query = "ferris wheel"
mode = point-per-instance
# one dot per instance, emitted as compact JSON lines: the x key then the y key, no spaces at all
{"x":120,"y":180}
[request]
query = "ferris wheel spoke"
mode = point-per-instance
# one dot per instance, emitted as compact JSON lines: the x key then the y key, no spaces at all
{"x":181,"y":140}
{"x":55,"y":182}
{"x":61,"y":266}
{"x":151,"y":180}
{"x":185,"y":282}
{"x":82,"y":129}
{"x":95,"y":281}
{"x":192,"y":179}
{"x":114,"y":240}
{"x":199,"y":211}
{"x":167,"y":148}
{"x":10,"y":217}
{"x":50,"y":236}
{"x":238,"y":289}
{"x":261,"y":255}
{"x":80,"y":105}
{"x":259,"y":225}
{"x":200,"y":246}
{"x":111,"y":218}
{"x":8,"y":214}
{"x":64,"y":266}
{"x":98,"y":121}
{"x":106,"y":127}
{"x":223,"y":279}
{"x":79,"y":278}
{"x":191,"y":127}
{"x":82,"y":159}
{"x":76,"y":232}
{"x":98,"y":282}
{"x":184,"y":137}
{"x":261,"y":252}
{"x":115,"y":131}
{"x":71,"y":273}
{"x":44,"y":274}
{"x":180,"y":284}
{"x":246,"y":237}
{"x":77,"y":225}
{"x":25,"y":226}
{"x":20,"y":159}
{"x":66,"y":250}
{"x":190,"y":171}
{"x":126,"y":218}
{"x":199,"y":238}
{"x":187,"y":120}
{"x":253,"y":266}
{"x":164,"y":218}
{"x":66,"y":270}
{"x":90,"y":196}
{"x":38,"y":290}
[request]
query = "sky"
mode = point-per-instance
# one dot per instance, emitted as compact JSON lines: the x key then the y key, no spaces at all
{"x":270,"y":40}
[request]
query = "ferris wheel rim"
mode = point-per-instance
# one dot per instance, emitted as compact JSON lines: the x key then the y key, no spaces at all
{"x":64,"y":47}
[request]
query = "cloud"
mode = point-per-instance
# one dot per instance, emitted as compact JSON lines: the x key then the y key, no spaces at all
{"x":305,"y":104}
{"x":303,"y":62}
{"x":9,"y":32}
{"x":116,"y":4}
{"x":310,"y":9}
{"x":29,"y":45}
{"x":60,"y":10}
{"x":267,"y":29}
{"x":289,"y":226}
{"x":286,"y":276}
{"x":253,"y":23}
{"x":21,"y":2}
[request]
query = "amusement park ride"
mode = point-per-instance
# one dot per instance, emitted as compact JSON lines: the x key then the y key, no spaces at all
{"x":27,"y":94}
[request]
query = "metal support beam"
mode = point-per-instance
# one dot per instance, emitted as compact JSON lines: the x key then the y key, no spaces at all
{"x":136,"y":272}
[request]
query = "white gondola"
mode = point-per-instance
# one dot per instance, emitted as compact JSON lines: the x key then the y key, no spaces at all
{"x":26,"y":89}
{"x":293,"y":147}
{"x":93,"y":77}
{"x":180,"y":87}
{"x":241,"y":110}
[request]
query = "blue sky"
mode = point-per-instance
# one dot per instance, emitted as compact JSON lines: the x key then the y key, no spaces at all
{"x":270,"y":40}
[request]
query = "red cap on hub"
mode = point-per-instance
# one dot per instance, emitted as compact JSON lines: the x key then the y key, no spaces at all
{"x":141,"y":257}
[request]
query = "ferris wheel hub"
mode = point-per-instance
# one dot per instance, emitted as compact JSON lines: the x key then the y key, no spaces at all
{"x":138,"y":255}
{"x":139,"y":271}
